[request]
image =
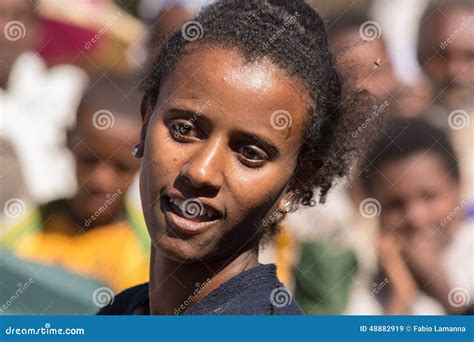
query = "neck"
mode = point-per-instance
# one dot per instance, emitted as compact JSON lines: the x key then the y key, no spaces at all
{"x":175,"y":286}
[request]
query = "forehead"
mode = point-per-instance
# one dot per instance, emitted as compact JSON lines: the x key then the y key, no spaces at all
{"x":237,"y":92}
{"x":455,"y":23}
{"x":420,"y":170}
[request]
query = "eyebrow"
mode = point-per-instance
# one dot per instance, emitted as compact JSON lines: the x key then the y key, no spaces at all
{"x":261,"y":141}
{"x":253,"y":137}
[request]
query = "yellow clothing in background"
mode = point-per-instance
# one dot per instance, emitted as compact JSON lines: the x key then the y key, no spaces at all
{"x":112,"y":254}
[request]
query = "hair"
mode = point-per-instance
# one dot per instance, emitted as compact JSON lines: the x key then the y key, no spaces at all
{"x":404,"y":137}
{"x":426,"y":38}
{"x":293,"y":36}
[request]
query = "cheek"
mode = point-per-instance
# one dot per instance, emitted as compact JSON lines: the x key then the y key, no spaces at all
{"x":255,"y":192}
{"x":392,"y":218}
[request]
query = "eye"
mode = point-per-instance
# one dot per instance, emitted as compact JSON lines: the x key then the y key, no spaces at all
{"x":252,"y":156}
{"x":182,"y":129}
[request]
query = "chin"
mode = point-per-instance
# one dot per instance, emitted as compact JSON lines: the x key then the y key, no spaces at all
{"x":179,"y":250}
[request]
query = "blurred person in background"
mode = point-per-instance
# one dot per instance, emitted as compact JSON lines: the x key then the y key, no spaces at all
{"x":360,"y":50}
{"x":166,"y":17}
{"x":446,"y":51}
{"x":426,"y":242}
{"x":446,"y":54}
{"x":33,"y":120}
{"x":94,"y":233}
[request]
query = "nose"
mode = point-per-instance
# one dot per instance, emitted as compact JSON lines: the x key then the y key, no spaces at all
{"x":103,"y":178}
{"x":205,"y":168}
{"x":417,"y":216}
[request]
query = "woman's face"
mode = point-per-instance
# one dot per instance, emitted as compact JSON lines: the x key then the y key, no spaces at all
{"x":220,"y":149}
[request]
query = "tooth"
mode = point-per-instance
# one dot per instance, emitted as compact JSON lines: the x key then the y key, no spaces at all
{"x":209,"y":214}
{"x":171,"y":200}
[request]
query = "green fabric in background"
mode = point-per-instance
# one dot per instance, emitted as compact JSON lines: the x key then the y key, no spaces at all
{"x":323,"y":278}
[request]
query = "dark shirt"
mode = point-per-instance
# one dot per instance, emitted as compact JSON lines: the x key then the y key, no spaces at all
{"x":253,"y":292}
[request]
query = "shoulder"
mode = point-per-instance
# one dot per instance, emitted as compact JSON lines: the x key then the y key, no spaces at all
{"x":125,"y":302}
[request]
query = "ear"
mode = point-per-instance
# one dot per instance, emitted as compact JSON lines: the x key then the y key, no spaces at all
{"x":295,"y":187}
{"x":145,"y":113}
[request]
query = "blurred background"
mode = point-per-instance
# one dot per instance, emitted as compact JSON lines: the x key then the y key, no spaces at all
{"x":395,"y":238}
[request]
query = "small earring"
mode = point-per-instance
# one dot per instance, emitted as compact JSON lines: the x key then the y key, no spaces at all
{"x":135,"y":151}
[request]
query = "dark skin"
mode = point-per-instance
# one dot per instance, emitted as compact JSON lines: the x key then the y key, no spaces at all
{"x":416,"y":193}
{"x":101,"y":168}
{"x":222,"y":160}
{"x":452,"y":68}
{"x":16,"y":10}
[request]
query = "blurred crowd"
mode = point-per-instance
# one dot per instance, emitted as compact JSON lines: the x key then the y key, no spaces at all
{"x":395,"y":238}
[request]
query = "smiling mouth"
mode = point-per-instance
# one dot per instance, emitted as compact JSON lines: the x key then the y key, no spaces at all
{"x":188,"y":216}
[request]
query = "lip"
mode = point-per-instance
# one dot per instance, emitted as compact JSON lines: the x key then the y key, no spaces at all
{"x":183,"y":225}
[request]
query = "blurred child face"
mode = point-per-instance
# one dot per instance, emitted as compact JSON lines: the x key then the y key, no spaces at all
{"x":228,"y":157}
{"x":416,"y":193}
{"x":104,"y":166}
{"x":452,"y":68}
